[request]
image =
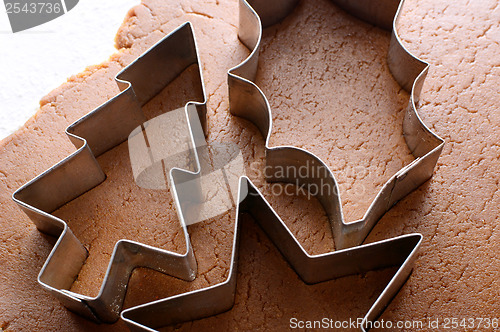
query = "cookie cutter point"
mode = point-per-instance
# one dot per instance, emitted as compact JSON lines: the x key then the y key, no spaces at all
{"x":38,"y":198}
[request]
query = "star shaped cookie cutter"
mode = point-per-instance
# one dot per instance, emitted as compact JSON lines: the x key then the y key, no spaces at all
{"x":111,"y":123}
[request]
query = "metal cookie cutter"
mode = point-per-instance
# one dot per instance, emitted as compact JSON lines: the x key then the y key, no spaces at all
{"x":248,"y":101}
{"x":102,"y":129}
{"x":111,"y":123}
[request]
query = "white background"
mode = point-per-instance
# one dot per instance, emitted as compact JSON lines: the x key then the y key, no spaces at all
{"x":35,"y":61}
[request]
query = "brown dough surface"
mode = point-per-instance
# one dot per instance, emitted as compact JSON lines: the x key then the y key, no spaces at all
{"x":325,"y":75}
